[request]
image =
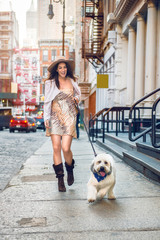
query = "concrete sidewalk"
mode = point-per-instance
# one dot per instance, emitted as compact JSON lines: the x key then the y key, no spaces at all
{"x":32,"y":208}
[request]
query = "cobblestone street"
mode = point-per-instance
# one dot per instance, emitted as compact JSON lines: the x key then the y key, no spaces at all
{"x":15,"y":148}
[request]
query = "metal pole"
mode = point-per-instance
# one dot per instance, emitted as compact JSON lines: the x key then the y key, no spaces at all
{"x":63,"y":27}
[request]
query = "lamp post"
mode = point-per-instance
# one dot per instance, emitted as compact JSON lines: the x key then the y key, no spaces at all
{"x":51,"y":15}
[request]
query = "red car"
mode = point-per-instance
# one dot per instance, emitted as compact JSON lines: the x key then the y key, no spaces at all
{"x":19,"y":123}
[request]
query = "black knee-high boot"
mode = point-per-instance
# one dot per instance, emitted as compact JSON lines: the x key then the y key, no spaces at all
{"x":69,"y":168}
{"x":60,"y":175}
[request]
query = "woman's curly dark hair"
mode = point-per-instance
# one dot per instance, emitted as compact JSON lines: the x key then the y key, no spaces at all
{"x":54,"y":74}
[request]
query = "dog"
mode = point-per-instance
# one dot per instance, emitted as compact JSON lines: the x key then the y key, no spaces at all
{"x":103,"y":178}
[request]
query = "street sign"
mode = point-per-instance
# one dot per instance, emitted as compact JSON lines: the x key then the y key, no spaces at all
{"x":102,"y":80}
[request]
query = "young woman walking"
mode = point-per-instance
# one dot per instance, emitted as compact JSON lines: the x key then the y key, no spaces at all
{"x":60,"y":113}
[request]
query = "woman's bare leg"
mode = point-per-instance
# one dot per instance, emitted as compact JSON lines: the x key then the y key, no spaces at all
{"x":56,"y":143}
{"x":57,"y":159}
{"x":69,"y":162}
{"x":66,"y":148}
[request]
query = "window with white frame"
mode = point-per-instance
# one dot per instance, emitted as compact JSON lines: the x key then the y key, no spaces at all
{"x":45,"y":55}
{"x":4,"y":44}
{"x":53,"y":54}
{"x":109,"y":68}
{"x":113,"y":70}
{"x":4,"y":65}
{"x":4,"y":27}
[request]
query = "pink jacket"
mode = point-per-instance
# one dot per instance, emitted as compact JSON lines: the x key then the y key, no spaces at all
{"x":51,"y":92}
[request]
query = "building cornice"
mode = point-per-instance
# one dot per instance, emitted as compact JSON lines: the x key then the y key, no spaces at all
{"x":123,"y":8}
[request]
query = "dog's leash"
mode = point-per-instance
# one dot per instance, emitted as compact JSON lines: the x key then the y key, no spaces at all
{"x":95,"y":154}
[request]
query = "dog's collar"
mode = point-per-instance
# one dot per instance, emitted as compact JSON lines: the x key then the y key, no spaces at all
{"x":100,"y":178}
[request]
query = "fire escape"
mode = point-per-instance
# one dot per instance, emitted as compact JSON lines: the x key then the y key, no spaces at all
{"x":92,"y":36}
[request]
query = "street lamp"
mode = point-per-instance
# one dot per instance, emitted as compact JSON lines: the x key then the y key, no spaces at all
{"x":51,"y":14}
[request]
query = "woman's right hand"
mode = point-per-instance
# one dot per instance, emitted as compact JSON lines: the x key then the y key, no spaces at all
{"x":46,"y":123}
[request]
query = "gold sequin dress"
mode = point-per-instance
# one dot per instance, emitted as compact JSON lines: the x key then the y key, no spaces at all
{"x":63,"y":114}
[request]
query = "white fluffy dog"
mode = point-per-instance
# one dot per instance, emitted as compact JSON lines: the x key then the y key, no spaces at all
{"x":103,"y":178}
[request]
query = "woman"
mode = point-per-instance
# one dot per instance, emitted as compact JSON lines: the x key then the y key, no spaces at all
{"x":61,"y":94}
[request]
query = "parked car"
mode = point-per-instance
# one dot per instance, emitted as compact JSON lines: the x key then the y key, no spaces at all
{"x":5,"y":117}
{"x":40,"y":123}
{"x":19,"y":123}
{"x":32,"y":124}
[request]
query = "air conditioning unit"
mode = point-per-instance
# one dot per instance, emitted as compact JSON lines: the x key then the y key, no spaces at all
{"x":111,"y":18}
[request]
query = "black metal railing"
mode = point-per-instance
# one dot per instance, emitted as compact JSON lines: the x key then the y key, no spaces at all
{"x":94,"y":129}
{"x":119,"y":119}
{"x":153,"y":121}
{"x":111,"y":120}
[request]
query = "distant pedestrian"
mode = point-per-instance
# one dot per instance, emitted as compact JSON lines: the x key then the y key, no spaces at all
{"x":60,"y":115}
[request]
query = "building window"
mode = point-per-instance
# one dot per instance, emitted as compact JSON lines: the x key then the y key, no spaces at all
{"x":111,"y":71}
{"x":45,"y":55}
{"x":4,"y":27}
{"x":44,"y":72}
{"x":4,"y":34}
{"x":4,"y":65}
{"x":4,"y":44}
{"x":53,"y":54}
{"x":4,"y":14}
{"x":5,"y":86}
